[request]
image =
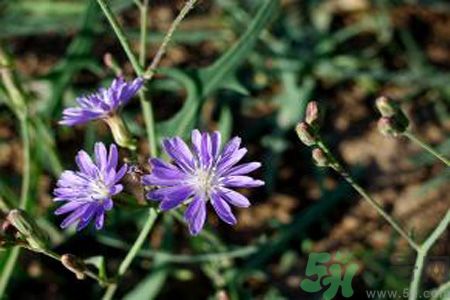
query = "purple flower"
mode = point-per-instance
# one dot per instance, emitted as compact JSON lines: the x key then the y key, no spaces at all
{"x":88,"y":192}
{"x":103,"y":103}
{"x":207,"y":173}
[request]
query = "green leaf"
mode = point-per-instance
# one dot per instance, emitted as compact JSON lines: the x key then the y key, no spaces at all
{"x":213,"y":77}
{"x":201,"y":83}
{"x":293,"y":100}
{"x":225,"y":122}
{"x":233,"y":84}
{"x":99,"y":263}
{"x":184,"y":120}
{"x":150,"y":286}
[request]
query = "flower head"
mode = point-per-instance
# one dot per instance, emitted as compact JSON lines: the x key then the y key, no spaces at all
{"x":88,"y":192}
{"x":207,"y":173}
{"x":103,"y":103}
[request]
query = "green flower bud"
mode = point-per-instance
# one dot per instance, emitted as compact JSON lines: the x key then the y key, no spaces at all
{"x":306,"y":134}
{"x":28,"y":230}
{"x":120,"y":132}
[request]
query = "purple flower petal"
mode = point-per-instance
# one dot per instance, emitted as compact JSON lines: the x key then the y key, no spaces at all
{"x":84,"y":162}
{"x":204,"y":174}
{"x":101,"y":156}
{"x":222,"y":209}
{"x":74,"y":216}
{"x":99,"y":220}
{"x":68,"y":207}
{"x":215,"y":144}
{"x":243,"y":169}
{"x":234,"y":198}
{"x":87,"y":193}
{"x":227,"y":162}
{"x":171,"y":196}
{"x":241,"y":181}
{"x":195,"y":215}
{"x":102,"y":103}
{"x":180,"y":153}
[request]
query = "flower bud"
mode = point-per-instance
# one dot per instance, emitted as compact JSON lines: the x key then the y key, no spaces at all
{"x":111,"y":63}
{"x":386,"y":106}
{"x":74,"y":264}
{"x":120,"y":132}
{"x":387,"y":126}
{"x":27,"y":229}
{"x":306,"y":133}
{"x":320,"y":158}
{"x":313,"y":114}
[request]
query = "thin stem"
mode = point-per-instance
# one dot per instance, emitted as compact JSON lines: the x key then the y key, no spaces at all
{"x":143,"y":8}
{"x":427,"y":147}
{"x":110,"y":291}
{"x":422,"y":254}
{"x":17,"y":103}
{"x":8,"y":269}
{"x":149,"y":121}
{"x":121,"y":36}
{"x":437,"y":232}
{"x":26,"y":173}
{"x":184,"y":258}
{"x":417,"y":275}
{"x":162,"y":49}
{"x":441,"y":291}
{"x":56,"y":256}
{"x":337,"y":166}
{"x":147,"y":108}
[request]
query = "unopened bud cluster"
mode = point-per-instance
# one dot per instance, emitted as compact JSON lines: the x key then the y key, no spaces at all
{"x":308,"y":133}
{"x":20,"y":229}
{"x":393,"y":121}
{"x":307,"y":130}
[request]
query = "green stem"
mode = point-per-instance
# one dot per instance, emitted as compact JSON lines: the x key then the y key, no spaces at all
{"x":8,"y":269}
{"x":422,"y":254}
{"x":26,"y":173}
{"x":442,"y":291}
{"x":149,"y":121}
{"x":147,"y":108}
{"x":110,"y":291}
{"x":417,"y":275}
{"x":336,"y":165}
{"x":427,"y":147}
{"x":17,"y":103}
{"x":162,"y":49}
{"x":147,"y":111}
{"x":184,"y":258}
{"x":121,"y":36}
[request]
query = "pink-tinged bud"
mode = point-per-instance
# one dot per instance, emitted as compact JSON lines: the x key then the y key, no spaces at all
{"x":111,"y":63}
{"x":306,"y":134}
{"x":222,"y":295}
{"x":388,"y":127}
{"x":386,"y":106}
{"x":74,"y":264}
{"x":320,"y":158}
{"x":312,"y":113}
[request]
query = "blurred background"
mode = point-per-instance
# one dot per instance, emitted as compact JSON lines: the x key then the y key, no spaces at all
{"x":343,"y":53}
